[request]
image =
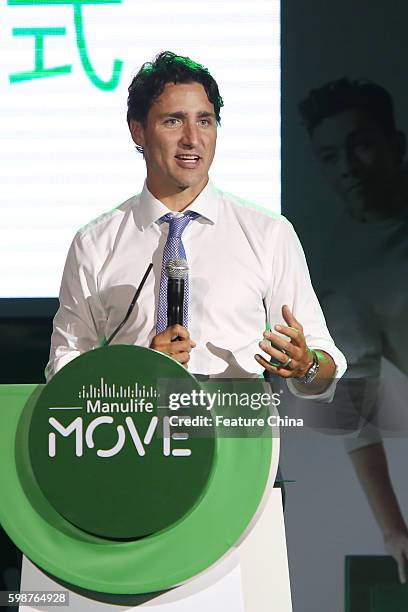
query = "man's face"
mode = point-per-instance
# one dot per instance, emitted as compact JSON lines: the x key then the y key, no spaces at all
{"x":178,"y":139}
{"x":358,"y":160}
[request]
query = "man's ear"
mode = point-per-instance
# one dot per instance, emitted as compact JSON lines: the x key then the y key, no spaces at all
{"x":137,"y":132}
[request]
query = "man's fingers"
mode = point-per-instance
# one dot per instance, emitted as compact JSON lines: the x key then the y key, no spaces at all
{"x":296,"y":335}
{"x":296,"y":353}
{"x":286,"y":345}
{"x":402,"y":565}
{"x":292,"y":352}
{"x":172,"y":334}
{"x":400,"y":559}
{"x":289,"y":318}
{"x":174,"y":341}
{"x":177,"y":331}
{"x":280,"y":371}
{"x":183,"y":357}
{"x":401,"y":571}
{"x":274,"y":352}
{"x":180,"y":346}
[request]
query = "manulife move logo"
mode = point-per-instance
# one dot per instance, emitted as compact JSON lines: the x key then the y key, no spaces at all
{"x":105,"y":418}
{"x":107,"y":400}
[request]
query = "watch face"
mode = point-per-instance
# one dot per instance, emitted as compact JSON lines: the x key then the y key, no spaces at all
{"x":312,"y":371}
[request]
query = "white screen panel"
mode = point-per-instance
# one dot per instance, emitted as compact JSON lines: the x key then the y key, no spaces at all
{"x":65,"y":152}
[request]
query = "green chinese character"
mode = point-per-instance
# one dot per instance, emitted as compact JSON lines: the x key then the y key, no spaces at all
{"x":39,"y":33}
{"x":39,"y":70}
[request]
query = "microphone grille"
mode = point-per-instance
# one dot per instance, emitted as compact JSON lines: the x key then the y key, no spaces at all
{"x":177,"y":267}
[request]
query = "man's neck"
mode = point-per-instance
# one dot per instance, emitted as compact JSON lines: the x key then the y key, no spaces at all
{"x":175,"y":199}
{"x":394,"y":211}
{"x":391,"y":204}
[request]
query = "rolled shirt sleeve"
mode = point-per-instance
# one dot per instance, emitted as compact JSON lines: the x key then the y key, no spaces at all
{"x":291,"y":284}
{"x":75,"y":327}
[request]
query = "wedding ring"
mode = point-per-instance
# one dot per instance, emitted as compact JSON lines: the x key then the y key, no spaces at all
{"x":285,"y":365}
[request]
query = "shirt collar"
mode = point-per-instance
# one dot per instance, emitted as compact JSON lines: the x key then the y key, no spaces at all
{"x":150,"y":209}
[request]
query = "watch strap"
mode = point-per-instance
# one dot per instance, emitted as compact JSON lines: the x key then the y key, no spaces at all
{"x":312,"y":371}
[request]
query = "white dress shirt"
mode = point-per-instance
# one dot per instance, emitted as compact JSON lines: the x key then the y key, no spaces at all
{"x":244,"y":266}
{"x":365,"y":301}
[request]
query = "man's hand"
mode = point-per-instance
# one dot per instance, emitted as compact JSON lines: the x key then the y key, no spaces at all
{"x":174,"y":341}
{"x":396,"y":544}
{"x":293,"y":355}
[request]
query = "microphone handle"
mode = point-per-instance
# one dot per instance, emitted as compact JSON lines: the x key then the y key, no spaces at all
{"x":175,"y":301}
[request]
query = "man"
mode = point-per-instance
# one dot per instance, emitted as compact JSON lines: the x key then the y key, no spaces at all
{"x":246,"y":267}
{"x":360,"y":153}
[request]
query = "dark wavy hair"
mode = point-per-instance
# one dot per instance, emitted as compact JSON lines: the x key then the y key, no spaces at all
{"x":167,"y":67}
{"x":345,"y":94}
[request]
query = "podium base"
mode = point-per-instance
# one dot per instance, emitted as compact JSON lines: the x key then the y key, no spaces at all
{"x":252,"y":578}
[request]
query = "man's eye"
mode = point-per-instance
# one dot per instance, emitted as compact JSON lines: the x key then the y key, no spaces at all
{"x":361,"y":147}
{"x":204,"y":122}
{"x":172,"y":122}
{"x":328,"y":158}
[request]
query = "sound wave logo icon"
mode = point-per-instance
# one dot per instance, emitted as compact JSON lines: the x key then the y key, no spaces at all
{"x":106,"y":391}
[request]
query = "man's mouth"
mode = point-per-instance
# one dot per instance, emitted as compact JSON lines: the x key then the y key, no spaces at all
{"x":187,"y":157}
{"x":187,"y":160}
{"x":356,"y":186}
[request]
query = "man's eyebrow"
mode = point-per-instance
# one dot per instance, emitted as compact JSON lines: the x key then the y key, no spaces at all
{"x":323,"y":148}
{"x":361,"y":131}
{"x":183,"y":115}
{"x":355,"y":133}
{"x":206,"y":114}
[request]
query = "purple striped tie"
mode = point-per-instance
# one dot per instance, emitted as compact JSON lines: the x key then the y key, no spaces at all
{"x":173,"y":248}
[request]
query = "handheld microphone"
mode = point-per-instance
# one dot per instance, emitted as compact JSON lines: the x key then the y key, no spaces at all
{"x":176,"y":271}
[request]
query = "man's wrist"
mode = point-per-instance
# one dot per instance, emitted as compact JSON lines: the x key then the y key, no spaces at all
{"x":312,"y":371}
{"x":323,"y":379}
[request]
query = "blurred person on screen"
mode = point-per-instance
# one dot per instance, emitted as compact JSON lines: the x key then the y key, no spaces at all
{"x":360,"y":152}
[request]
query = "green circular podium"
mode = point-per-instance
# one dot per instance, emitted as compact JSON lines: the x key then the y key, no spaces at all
{"x":101,"y":492}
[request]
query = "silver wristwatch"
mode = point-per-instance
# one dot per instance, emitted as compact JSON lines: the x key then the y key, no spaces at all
{"x":312,"y":371}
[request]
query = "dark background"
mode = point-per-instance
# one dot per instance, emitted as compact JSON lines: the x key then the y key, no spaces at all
{"x":327,"y":516}
{"x":323,"y":41}
{"x":25,"y":331}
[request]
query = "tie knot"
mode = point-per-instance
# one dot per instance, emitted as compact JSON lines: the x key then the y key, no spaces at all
{"x":178,"y":224}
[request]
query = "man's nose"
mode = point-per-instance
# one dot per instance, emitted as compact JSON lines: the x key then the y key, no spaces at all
{"x":189,"y":136}
{"x":347,"y":164}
